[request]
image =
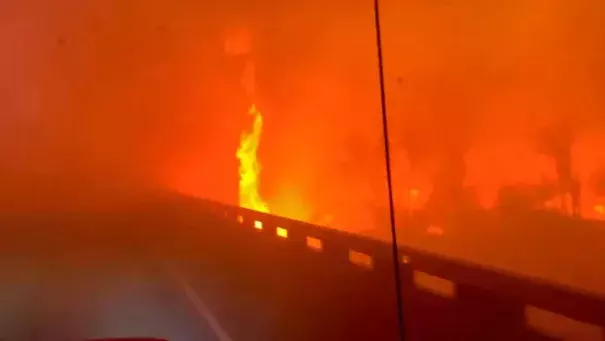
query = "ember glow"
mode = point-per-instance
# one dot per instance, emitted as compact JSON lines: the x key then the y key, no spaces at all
{"x":249,"y":166}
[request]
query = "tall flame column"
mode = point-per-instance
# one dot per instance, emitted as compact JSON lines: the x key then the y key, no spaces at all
{"x":247,"y":153}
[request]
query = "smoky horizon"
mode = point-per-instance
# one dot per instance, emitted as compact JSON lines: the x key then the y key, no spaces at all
{"x":494,"y":110}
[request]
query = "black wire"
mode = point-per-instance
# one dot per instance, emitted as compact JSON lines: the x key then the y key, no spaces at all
{"x":385,"y":132}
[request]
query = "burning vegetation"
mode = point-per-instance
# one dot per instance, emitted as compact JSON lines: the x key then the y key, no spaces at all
{"x":486,"y":117}
{"x":496,"y":109}
{"x":249,"y":166}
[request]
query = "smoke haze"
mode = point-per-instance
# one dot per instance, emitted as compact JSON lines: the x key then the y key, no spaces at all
{"x":142,"y":95}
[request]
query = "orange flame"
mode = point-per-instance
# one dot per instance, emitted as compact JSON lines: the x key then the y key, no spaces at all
{"x":249,"y":167}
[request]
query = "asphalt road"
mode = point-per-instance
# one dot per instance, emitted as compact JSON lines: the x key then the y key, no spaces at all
{"x":155,"y":270}
{"x":91,"y":278}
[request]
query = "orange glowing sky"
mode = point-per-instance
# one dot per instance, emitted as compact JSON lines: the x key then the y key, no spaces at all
{"x":98,"y":97}
{"x":145,"y":93}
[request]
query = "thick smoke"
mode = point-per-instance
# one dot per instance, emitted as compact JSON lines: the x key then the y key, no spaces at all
{"x":488,"y":103}
{"x":108,"y":93}
{"x":113,"y":95}
{"x":481,"y":97}
{"x":517,"y":85}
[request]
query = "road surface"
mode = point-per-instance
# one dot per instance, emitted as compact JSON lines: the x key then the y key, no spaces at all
{"x":91,"y":277}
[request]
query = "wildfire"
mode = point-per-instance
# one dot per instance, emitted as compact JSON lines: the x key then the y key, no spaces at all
{"x":600,"y":210}
{"x":249,"y":167}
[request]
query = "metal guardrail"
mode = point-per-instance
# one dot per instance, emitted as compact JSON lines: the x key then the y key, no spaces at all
{"x":443,"y":299}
